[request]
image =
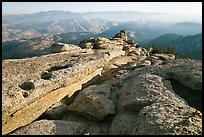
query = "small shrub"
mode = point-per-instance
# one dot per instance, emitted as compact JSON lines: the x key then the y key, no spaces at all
{"x":130,"y":41}
{"x":156,"y":49}
{"x":168,"y":50}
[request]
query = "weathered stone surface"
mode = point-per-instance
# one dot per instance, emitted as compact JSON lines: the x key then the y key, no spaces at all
{"x":61,"y":47}
{"x":32,"y":111}
{"x":110,"y":46}
{"x":56,"y":111}
{"x":102,"y":43}
{"x":136,"y":51}
{"x":164,"y":56}
{"x":93,"y":102}
{"x":186,"y":71}
{"x":115,"y":69}
{"x":52,"y":127}
{"x":144,"y":90}
{"x":132,"y":51}
{"x":63,"y":69}
{"x":100,"y":40}
{"x":53,"y":72}
{"x":160,"y":109}
{"x":169,"y":119}
{"x":124,"y":123}
{"x":186,"y":78}
{"x":94,"y":127}
{"x":58,"y":66}
{"x":185,"y":75}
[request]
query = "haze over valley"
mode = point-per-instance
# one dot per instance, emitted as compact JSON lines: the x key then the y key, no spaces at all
{"x":34,"y":33}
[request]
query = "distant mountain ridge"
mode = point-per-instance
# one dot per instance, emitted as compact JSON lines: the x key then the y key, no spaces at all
{"x":190,"y":45}
{"x":146,"y":26}
{"x":28,"y":31}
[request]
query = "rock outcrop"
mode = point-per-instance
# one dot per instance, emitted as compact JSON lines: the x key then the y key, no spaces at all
{"x":122,"y":35}
{"x":62,"y":47}
{"x":55,"y":76}
{"x":108,"y":86}
{"x":102,"y":43}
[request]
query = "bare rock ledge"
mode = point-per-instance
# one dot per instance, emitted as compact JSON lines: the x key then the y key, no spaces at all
{"x":42,"y":81}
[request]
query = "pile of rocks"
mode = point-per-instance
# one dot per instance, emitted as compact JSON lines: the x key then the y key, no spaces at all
{"x":119,"y":42}
{"x":122,"y":35}
{"x":102,"y":43}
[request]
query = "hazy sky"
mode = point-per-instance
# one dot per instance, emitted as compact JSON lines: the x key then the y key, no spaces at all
{"x":188,"y":10}
{"x":191,"y":8}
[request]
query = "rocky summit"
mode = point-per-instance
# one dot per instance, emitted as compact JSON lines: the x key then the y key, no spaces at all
{"x":103,"y":86}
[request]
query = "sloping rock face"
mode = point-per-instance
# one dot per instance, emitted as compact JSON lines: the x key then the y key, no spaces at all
{"x":104,"y":92}
{"x":41,"y":76}
{"x":52,"y":72}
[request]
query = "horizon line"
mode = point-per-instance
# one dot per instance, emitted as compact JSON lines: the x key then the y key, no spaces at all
{"x":87,"y":12}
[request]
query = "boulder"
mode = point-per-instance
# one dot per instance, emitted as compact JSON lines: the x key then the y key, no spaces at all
{"x":124,"y":123}
{"x":164,"y":118}
{"x":52,"y":127}
{"x":61,"y":47}
{"x":186,"y":78}
{"x":93,"y":102}
{"x":94,"y":127}
{"x":144,"y":90}
{"x":186,"y":71}
{"x":56,"y":111}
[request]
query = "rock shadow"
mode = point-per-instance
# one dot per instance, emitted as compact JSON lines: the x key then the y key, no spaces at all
{"x":192,"y":97}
